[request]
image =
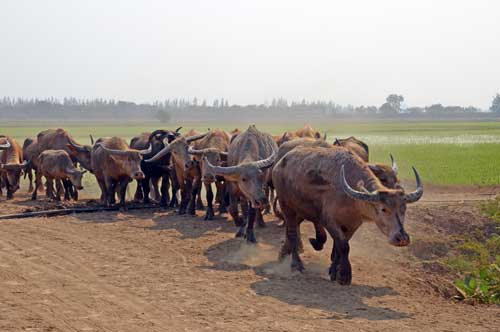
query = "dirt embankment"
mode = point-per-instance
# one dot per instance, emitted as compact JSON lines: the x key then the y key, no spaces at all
{"x":155,"y":271}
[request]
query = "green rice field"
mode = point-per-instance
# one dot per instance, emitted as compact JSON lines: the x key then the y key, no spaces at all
{"x":443,"y":152}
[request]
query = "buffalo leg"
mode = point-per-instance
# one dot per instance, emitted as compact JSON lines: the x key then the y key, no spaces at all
{"x":145,"y":189}
{"x":250,"y":235}
{"x":1,"y":185}
{"x":267,"y":210}
{"x":199,"y":202}
{"x":123,"y":192}
{"x":164,"y":191}
{"x":110,"y":191}
{"x":195,"y":189}
{"x":186,"y":191}
{"x":104,"y":194}
{"x":38,"y":184}
{"x":222,"y":196}
{"x":174,"y":202}
{"x":10,"y":194}
{"x":340,"y":268}
{"x":156,"y":189}
{"x":209,"y":215}
{"x":29,"y":172}
{"x":233,"y":211}
{"x":291,"y":245}
{"x":320,"y":239}
{"x":139,"y":196}
{"x":260,"y":219}
{"x":67,"y":189}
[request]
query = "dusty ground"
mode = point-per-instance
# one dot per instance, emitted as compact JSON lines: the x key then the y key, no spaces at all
{"x":155,"y":271}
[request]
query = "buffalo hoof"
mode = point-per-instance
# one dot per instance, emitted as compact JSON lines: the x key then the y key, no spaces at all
{"x":261,"y":223}
{"x":222,"y":210}
{"x":209,"y":215}
{"x":240,"y":232}
{"x":200,"y":206}
{"x":344,"y":275}
{"x":297,"y":266}
{"x":181,"y":212}
{"x":318,"y":246}
{"x":164,"y":204}
{"x":250,"y":237}
{"x":332,"y":271}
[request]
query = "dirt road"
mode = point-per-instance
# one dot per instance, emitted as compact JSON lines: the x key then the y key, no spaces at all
{"x":155,"y":271}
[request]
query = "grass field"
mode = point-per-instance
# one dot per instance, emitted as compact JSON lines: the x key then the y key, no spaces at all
{"x":443,"y":152}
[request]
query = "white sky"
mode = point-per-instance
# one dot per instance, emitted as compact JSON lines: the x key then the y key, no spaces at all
{"x":250,"y":51}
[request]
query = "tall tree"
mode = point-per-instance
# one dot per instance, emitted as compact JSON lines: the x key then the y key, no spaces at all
{"x":495,"y":104}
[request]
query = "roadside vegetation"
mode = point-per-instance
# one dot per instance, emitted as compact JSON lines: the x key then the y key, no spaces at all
{"x":477,"y":260}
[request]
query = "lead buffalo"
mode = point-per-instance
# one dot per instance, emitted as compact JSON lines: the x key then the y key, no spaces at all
{"x":57,"y":165}
{"x":317,"y":184}
{"x":250,"y":156}
{"x":115,"y":164}
{"x":11,"y":164}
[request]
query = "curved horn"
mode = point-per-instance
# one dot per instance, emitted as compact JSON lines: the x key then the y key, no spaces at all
{"x":337,"y":142}
{"x":162,"y":152}
{"x":5,"y":146}
{"x":224,"y":153}
{"x":266,"y":163}
{"x":324,"y":137}
{"x":394,"y":165}
{"x":77,"y":146}
{"x":196,"y":152}
{"x":417,"y":194}
{"x":146,"y":151}
{"x":362,"y":196}
{"x":219,"y":170}
{"x":177,"y":130}
{"x":91,"y":139}
{"x":195,"y":137}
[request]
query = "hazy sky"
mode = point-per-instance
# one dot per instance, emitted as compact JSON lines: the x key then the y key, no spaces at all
{"x":250,"y":51}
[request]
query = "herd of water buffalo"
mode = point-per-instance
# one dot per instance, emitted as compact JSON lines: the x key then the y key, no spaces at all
{"x":301,"y":174}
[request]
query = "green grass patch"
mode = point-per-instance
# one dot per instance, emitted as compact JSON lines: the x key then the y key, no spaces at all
{"x":443,"y":152}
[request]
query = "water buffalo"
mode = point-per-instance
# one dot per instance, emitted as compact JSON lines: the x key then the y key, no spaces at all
{"x":60,"y":139}
{"x":184,"y":168}
{"x":153,"y":172}
{"x":11,"y":164}
{"x":116,"y":164}
{"x":214,"y":148}
{"x":57,"y":165}
{"x":317,"y":184}
{"x":250,"y":157}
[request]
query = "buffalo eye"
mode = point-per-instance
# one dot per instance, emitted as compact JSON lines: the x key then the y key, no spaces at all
{"x":244,"y":179}
{"x":384,"y":210}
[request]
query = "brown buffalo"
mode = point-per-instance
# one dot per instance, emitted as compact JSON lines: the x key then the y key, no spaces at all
{"x":317,"y":184}
{"x":57,"y":165}
{"x":250,"y":157}
{"x":285,"y":137}
{"x":115,"y":165}
{"x":60,"y":139}
{"x":11,"y":164}
{"x":184,"y":168}
{"x":214,"y":148}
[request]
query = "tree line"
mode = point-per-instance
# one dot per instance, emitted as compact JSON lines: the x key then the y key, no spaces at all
{"x":164,"y":110}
